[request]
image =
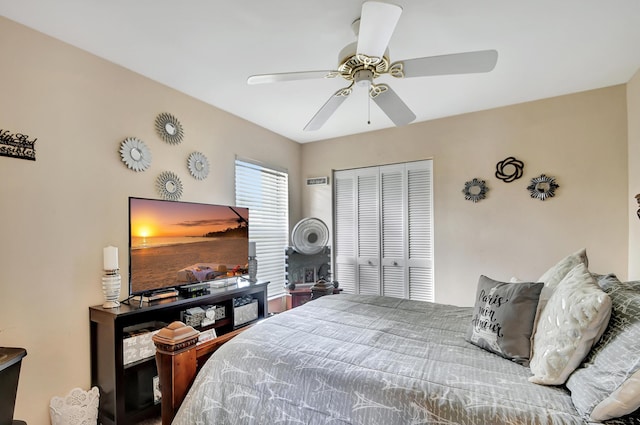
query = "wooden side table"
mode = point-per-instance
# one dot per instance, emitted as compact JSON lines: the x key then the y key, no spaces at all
{"x":301,"y":295}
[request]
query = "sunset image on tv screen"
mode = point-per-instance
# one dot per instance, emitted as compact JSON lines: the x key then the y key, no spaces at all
{"x":177,"y":243}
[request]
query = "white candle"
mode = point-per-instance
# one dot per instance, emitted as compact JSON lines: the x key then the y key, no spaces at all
{"x":252,"y":249}
{"x":110,"y":258}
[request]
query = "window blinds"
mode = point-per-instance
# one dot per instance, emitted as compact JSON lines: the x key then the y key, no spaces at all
{"x":265,"y":191}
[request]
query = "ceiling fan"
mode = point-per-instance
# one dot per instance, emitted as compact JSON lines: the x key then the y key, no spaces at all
{"x":365,"y":60}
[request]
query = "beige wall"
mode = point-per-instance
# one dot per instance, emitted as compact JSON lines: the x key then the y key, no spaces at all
{"x":633,"y":112}
{"x":580,"y":139}
{"x":61,"y":210}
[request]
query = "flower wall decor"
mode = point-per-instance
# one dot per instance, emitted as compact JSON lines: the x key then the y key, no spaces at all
{"x":169,"y":186}
{"x":509,"y":169}
{"x":543,"y":187}
{"x":135,"y":154}
{"x":475,"y":190}
{"x":169,"y":128}
{"x":198,"y":165}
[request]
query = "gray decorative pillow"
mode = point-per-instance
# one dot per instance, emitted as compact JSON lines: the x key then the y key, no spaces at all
{"x":503,"y":318}
{"x":607,"y":385}
{"x":606,"y":281}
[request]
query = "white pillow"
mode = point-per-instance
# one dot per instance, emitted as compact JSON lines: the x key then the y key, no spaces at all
{"x":621,"y":402}
{"x":607,"y":384}
{"x":555,"y":274}
{"x":574,"y":318}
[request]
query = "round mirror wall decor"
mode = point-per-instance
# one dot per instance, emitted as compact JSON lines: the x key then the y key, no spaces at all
{"x":542,"y":187}
{"x":169,"y":186}
{"x":509,"y":169}
{"x":198,"y":165}
{"x":169,"y":128}
{"x":475,"y":190}
{"x":135,"y":154}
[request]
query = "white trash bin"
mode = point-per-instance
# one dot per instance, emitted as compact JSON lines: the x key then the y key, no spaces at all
{"x":79,"y":407}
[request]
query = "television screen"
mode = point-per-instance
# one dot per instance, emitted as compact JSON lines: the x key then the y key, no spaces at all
{"x":173,"y":243}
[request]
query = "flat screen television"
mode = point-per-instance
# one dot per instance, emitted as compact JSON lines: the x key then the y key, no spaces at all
{"x":172,"y":243}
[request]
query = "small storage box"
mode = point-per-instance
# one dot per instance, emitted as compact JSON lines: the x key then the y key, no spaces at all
{"x":139,"y":345}
{"x":245,"y":313}
{"x":193,"y":316}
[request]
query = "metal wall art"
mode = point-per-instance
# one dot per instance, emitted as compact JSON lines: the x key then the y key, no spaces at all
{"x":169,"y":128}
{"x":543,"y":187}
{"x":475,"y":190}
{"x":638,"y":201}
{"x":509,"y":169}
{"x":198,"y":165}
{"x":17,"y":145}
{"x":169,"y":186}
{"x":135,"y":154}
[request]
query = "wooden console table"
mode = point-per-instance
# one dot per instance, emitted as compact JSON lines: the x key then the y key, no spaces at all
{"x":301,"y":295}
{"x":127,"y":390}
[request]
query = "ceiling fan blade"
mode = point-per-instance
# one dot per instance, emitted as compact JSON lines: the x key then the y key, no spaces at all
{"x":290,"y":76}
{"x":457,"y":63}
{"x":377,"y":23}
{"x":391,"y":104}
{"x":328,"y":109}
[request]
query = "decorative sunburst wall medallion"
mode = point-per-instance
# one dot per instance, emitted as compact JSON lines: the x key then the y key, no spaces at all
{"x":198,"y":165}
{"x":169,"y":128}
{"x":475,"y":190}
{"x":509,"y":169}
{"x":169,"y":186}
{"x":135,"y":154}
{"x":543,"y":187}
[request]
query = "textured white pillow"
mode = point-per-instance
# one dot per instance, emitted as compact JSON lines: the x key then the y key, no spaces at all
{"x":555,"y":274}
{"x":621,"y":402}
{"x":574,"y":318}
{"x":607,"y":384}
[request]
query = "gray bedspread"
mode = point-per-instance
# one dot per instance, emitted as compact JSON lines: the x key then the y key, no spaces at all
{"x":346,"y":359}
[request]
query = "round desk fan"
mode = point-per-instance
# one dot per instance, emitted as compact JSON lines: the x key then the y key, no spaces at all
{"x":310,"y":236}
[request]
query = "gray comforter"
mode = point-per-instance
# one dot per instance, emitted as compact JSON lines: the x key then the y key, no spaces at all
{"x":367,"y":360}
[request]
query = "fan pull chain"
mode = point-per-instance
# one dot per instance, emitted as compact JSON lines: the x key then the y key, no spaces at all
{"x":368,"y":109}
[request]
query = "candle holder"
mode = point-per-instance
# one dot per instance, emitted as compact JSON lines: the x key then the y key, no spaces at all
{"x":111,"y":282}
{"x":253,"y":269}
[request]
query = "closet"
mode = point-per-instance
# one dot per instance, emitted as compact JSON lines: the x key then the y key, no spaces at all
{"x":383,"y":230}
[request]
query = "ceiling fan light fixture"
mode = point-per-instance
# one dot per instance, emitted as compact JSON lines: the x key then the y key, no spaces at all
{"x":361,"y":62}
{"x":363,"y":77}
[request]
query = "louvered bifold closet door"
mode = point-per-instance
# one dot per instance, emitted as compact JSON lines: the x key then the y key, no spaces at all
{"x":393,"y":237}
{"x":383,"y":230}
{"x":420,"y":232}
{"x":368,"y":231}
{"x":344,"y":229}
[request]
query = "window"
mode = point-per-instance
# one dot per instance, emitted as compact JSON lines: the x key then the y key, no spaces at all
{"x":265,"y":191}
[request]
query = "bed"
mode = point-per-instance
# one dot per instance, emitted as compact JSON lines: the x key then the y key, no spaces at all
{"x":355,"y":359}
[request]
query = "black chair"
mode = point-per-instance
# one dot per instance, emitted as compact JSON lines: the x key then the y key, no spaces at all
{"x":10,"y":361}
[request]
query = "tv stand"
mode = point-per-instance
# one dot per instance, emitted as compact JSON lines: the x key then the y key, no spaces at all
{"x":127,"y":389}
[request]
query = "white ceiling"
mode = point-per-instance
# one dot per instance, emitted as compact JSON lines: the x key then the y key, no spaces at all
{"x":208,"y":48}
